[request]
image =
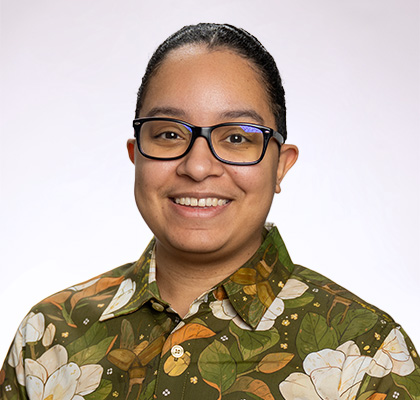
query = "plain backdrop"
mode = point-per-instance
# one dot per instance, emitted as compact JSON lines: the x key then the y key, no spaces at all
{"x":349,"y":209}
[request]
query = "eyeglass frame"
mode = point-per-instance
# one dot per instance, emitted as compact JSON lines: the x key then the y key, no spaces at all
{"x":205,"y":132}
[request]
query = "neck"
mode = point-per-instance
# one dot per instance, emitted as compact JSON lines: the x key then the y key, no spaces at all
{"x":183,"y":278}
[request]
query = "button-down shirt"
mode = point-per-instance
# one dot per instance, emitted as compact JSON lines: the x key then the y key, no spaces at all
{"x":272,"y":330}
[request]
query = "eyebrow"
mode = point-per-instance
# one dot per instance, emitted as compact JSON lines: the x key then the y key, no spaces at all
{"x":168,"y":111}
{"x":226,"y":115}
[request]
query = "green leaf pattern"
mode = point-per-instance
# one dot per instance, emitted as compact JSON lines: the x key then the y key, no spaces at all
{"x":272,"y":330}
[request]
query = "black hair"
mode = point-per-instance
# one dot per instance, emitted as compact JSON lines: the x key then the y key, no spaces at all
{"x":224,"y":36}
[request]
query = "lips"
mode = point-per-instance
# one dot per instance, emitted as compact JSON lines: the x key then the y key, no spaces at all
{"x":200,"y":202}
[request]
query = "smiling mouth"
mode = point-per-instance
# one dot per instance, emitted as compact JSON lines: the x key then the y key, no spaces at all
{"x":203,"y":202}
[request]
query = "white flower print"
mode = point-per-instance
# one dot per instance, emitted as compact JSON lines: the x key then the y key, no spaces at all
{"x":330,"y":374}
{"x":30,"y":330}
{"x":291,"y":290}
{"x":121,"y":298}
{"x":393,"y":356}
{"x":223,"y":309}
{"x":49,"y":335}
{"x":51,"y":376}
{"x":34,"y":327}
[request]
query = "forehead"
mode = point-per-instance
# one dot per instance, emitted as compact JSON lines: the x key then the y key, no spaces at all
{"x":194,"y":78}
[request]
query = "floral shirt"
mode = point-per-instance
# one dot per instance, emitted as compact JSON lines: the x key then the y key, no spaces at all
{"x":272,"y":330}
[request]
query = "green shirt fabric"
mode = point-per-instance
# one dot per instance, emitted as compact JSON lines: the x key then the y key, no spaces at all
{"x":272,"y":330}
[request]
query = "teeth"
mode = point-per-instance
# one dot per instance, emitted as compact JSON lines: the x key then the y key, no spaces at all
{"x":204,"y":202}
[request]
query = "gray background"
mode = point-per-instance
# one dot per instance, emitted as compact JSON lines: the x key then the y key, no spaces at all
{"x":350,"y":208}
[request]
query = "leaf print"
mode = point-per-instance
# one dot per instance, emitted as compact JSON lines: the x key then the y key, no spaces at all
{"x":377,"y":396}
{"x":217,"y":367}
{"x":256,"y":309}
{"x":187,"y":332}
{"x":94,"y":334}
{"x":265,"y":293}
{"x":148,"y":393}
{"x":253,"y":343}
{"x":159,"y":330}
{"x":244,"y":276}
{"x":410,"y":383}
{"x":301,"y":301}
{"x":127,"y":335}
{"x":314,"y":335}
{"x":102,"y":392}
{"x":274,"y":362}
{"x":58,"y":299}
{"x":253,"y":386}
{"x":92,"y":354}
{"x":356,"y":323}
{"x":97,"y":287}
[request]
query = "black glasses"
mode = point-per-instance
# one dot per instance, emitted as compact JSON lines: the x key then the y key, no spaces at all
{"x":233,"y":143}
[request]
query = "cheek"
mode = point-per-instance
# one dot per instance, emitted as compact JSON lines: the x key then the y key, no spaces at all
{"x":256,"y":180}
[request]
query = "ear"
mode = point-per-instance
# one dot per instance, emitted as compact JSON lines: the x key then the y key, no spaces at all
{"x":288,"y":155}
{"x":131,"y":147}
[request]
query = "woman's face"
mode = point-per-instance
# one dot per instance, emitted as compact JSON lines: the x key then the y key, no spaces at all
{"x":207,"y":88}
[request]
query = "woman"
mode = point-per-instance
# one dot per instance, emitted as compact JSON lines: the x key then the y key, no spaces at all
{"x":214,"y":307}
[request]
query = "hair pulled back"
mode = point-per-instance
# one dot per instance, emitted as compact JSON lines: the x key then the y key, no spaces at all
{"x":216,"y":36}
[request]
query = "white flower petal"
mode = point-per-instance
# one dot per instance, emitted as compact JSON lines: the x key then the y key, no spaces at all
{"x":121,"y":298}
{"x":89,"y":379}
{"x":34,"y":328}
{"x":62,"y":383}
{"x":325,"y":358}
{"x":20,"y":372}
{"x":354,"y":368}
{"x":223,"y":309}
{"x":54,"y":358}
{"x":349,"y":348}
{"x":49,"y":335}
{"x":34,"y":368}
{"x":34,"y":388}
{"x":241,"y":323}
{"x":298,"y":386}
{"x":380,"y":365}
{"x":276,"y":308}
{"x":292,"y":289}
{"x":395,"y":347}
{"x":15,"y":355}
{"x":326,"y":382}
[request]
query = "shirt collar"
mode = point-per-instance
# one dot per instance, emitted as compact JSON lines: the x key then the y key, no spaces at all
{"x":251,"y":289}
{"x":254,"y":286}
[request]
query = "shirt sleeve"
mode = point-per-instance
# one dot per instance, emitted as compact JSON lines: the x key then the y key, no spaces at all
{"x":12,"y":374}
{"x":394,"y":371}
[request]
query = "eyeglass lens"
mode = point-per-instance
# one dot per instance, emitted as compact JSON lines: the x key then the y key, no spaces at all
{"x":168,"y":139}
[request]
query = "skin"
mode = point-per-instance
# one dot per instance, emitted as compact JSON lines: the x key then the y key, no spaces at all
{"x":198,"y":247}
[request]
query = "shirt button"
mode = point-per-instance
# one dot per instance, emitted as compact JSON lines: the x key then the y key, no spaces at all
{"x":158,"y":307}
{"x":177,"y":351}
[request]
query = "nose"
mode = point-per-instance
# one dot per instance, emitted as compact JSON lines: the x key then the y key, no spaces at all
{"x":199,"y":163}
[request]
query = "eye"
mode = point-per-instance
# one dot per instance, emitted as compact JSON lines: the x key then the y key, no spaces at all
{"x":236,"y":139}
{"x":168,"y":135}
